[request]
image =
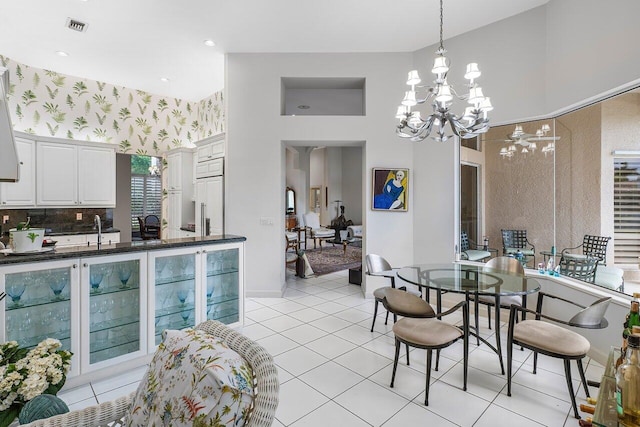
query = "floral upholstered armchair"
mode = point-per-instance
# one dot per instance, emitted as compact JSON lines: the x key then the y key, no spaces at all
{"x":236,"y":384}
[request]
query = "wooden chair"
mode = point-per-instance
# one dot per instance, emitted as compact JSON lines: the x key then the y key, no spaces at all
{"x":143,"y":230}
{"x":553,"y":340}
{"x":152,"y":226}
{"x":318,"y":233}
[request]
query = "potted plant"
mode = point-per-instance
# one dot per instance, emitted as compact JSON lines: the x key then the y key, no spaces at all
{"x":25,"y":238}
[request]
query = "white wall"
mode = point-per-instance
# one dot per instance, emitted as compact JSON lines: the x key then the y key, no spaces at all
{"x":253,"y":89}
{"x":352,"y":185}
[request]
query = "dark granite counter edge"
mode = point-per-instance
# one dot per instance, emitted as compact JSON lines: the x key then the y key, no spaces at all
{"x":184,"y":228}
{"x":119,"y":248}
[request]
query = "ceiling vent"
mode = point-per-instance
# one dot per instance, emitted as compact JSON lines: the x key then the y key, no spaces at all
{"x":76,"y":25}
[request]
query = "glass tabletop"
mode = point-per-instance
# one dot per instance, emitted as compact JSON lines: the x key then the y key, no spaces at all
{"x":464,"y":278}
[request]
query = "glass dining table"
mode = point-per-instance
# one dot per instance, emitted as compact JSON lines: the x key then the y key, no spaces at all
{"x":470,"y":280}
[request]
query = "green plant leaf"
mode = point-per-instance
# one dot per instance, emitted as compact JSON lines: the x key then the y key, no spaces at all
{"x":58,"y":80}
{"x":101,"y":119}
{"x":28,"y":97}
{"x":53,"y":130}
{"x":124,"y":114}
{"x":70,"y":102}
{"x":80,"y":123}
{"x":116,"y":126}
{"x":36,"y":80}
{"x":80,"y":88}
{"x":7,"y":416}
{"x":36,"y":118}
{"x":101,"y":85}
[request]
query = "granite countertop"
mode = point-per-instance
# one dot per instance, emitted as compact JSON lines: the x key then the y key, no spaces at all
{"x":117,"y":248}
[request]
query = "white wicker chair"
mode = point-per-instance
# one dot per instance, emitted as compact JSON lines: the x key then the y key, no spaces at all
{"x":264,"y":405}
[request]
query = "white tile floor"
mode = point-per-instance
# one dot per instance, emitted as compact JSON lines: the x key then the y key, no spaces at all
{"x":335,"y":372}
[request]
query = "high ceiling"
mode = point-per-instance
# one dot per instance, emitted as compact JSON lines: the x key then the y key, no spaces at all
{"x":135,"y":43}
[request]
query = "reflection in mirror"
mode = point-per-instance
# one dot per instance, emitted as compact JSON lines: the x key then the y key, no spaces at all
{"x":290,"y":201}
{"x":314,"y":199}
{"x":580,"y":181}
{"x":519,"y":184}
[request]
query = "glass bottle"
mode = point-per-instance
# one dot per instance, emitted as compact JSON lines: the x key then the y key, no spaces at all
{"x":633,"y":319}
{"x":551,"y":264}
{"x":628,"y":385}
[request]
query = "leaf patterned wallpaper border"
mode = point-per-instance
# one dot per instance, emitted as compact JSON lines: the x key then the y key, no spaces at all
{"x":46,"y":103}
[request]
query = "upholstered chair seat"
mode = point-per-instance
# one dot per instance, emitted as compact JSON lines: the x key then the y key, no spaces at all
{"x":431,"y":334}
{"x":551,"y":338}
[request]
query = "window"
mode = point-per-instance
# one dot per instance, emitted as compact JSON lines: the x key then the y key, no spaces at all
{"x":146,"y":189}
{"x":626,"y":210}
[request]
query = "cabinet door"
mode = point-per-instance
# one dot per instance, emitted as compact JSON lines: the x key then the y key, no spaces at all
{"x":57,"y":177}
{"x":223,"y":270}
{"x":174,"y":170}
{"x":42,"y":299}
{"x":23,"y":192}
{"x":174,"y":210}
{"x":172,"y":298}
{"x":114,"y":293}
{"x":210,"y":202}
{"x":97,"y":176}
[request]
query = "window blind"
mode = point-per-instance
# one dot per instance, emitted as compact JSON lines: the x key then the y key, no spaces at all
{"x":146,"y":198}
{"x":626,"y":210}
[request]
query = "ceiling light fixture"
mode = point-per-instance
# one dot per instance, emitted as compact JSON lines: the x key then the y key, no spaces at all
{"x":62,"y":53}
{"x":209,"y":43}
{"x":164,"y":79}
{"x":474,"y":120}
{"x":528,"y":142}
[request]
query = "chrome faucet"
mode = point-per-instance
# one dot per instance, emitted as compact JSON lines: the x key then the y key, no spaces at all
{"x":98,"y":224}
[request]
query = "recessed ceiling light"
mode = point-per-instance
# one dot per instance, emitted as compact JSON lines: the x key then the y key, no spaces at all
{"x":164,"y":79}
{"x":209,"y":43}
{"x":61,"y":53}
{"x":303,"y":107}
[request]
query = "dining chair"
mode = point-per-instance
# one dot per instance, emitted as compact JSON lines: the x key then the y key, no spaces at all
{"x":144,"y":234}
{"x":152,"y":226}
{"x":471,"y":251}
{"x":404,"y":304}
{"x":579,"y":267}
{"x":595,"y":246}
{"x":514,"y":241}
{"x":544,"y":337}
{"x":432,"y":334}
{"x":292,"y":243}
{"x":501,"y":265}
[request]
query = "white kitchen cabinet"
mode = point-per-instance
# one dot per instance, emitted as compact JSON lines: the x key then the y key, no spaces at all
{"x":57,"y":174}
{"x":190,"y":285}
{"x":210,"y":206}
{"x":179,"y":200}
{"x":23,"y":192}
{"x":110,"y":310}
{"x":211,"y":148}
{"x":69,"y":174}
{"x":42,"y":299}
{"x":113,"y":292}
{"x":96,"y":176}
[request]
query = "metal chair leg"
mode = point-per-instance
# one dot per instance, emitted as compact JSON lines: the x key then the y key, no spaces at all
{"x":567,"y":374}
{"x":426,"y":390}
{"x":395,"y":362}
{"x":375,"y":314}
{"x":583,"y":378}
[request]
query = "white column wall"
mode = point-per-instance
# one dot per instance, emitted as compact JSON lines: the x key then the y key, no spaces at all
{"x":256,"y":173}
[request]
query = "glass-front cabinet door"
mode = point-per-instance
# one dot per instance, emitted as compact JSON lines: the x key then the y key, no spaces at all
{"x":114,"y":292}
{"x":42,"y":299}
{"x":223,"y":269}
{"x":173,"y":298}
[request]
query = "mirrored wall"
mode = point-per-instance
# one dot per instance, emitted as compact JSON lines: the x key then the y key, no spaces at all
{"x":562,"y":179}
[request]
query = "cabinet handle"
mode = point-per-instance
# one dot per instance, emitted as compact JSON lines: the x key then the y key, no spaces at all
{"x":204,"y":251}
{"x":85,"y":265}
{"x":197,"y":252}
{"x":75,"y":265}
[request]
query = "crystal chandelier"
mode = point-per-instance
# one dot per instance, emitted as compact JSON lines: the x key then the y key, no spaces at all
{"x":528,"y":142}
{"x":474,"y":120}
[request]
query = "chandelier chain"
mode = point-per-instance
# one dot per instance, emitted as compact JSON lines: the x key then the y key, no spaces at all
{"x":441,"y":25}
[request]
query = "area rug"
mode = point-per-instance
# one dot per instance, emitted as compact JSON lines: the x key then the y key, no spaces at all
{"x":332,"y":258}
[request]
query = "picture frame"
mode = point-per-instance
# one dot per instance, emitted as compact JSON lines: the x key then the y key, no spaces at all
{"x":390,"y":189}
